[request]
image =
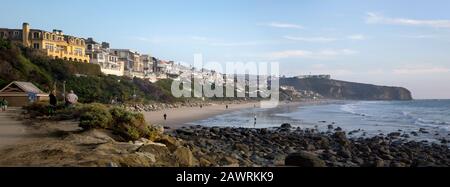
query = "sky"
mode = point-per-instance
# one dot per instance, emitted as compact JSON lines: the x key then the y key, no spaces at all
{"x":396,"y":43}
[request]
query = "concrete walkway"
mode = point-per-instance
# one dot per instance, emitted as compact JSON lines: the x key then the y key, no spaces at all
{"x":11,"y":130}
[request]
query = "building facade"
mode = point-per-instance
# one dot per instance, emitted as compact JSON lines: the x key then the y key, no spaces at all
{"x":100,"y":54}
{"x":54,"y":44}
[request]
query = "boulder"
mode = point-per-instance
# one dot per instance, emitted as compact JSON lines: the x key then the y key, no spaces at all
{"x":341,"y":138}
{"x":286,"y":126}
{"x":157,"y":149}
{"x":394,"y":134}
{"x":171,"y":142}
{"x":304,"y":159}
{"x":242,"y":147}
{"x":228,"y":161}
{"x":423,"y":131}
{"x":184,"y":157}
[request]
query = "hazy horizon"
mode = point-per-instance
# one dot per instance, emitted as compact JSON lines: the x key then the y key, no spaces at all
{"x":393,"y":43}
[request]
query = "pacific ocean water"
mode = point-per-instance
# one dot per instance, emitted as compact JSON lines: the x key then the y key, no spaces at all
{"x":429,"y":119}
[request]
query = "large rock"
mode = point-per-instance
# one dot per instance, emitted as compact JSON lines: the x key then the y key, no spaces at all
{"x":341,"y":138}
{"x":286,"y":126}
{"x":242,"y":147}
{"x":304,"y":159}
{"x":229,"y":161}
{"x":159,"y":150}
{"x":184,"y":157}
{"x":171,"y":142}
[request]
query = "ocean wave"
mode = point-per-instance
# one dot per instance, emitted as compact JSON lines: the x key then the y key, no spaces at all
{"x":350,"y":108}
{"x":432,"y":122}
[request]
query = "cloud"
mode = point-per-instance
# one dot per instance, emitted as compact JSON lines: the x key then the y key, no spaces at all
{"x":236,"y":44}
{"x":422,"y":36}
{"x":323,"y":54}
{"x":356,"y":37}
{"x":284,"y":25}
{"x":325,"y":39}
{"x":374,"y":18}
{"x":417,"y":70}
{"x":312,"y":39}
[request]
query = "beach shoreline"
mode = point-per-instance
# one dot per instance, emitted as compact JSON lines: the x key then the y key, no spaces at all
{"x":181,"y":117}
{"x":63,"y":143}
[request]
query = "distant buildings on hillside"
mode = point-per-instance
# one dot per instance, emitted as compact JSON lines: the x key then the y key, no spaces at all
{"x":120,"y":62}
{"x":314,"y":76}
{"x":112,"y":61}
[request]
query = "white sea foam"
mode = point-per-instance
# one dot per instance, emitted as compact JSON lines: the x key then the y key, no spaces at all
{"x":351,"y":108}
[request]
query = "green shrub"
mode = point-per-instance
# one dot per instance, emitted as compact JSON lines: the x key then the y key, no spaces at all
{"x":95,"y":116}
{"x":37,"y":109}
{"x":132,"y":126}
{"x":4,"y":45}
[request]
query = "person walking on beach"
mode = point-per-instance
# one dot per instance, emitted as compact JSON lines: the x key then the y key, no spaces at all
{"x":254,"y":124}
{"x":71,"y":99}
{"x":226,"y":106}
{"x":165,"y":117}
{"x":53,"y":102}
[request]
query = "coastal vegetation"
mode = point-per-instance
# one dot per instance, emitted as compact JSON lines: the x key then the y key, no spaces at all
{"x":129,"y":126}
{"x":24,"y":64}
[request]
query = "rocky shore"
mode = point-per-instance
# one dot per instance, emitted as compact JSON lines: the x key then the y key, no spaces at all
{"x":63,"y":143}
{"x":286,"y":146}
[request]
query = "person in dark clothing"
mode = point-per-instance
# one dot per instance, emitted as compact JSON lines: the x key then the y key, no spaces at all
{"x":53,"y":102}
{"x":165,"y":117}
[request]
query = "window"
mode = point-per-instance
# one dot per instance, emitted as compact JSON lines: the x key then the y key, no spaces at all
{"x":36,"y":46}
{"x":16,"y":33}
{"x":50,"y":47}
{"x":53,"y":37}
{"x":36,"y":35}
{"x":47,"y":36}
{"x":78,"y":51}
{"x":2,"y":34}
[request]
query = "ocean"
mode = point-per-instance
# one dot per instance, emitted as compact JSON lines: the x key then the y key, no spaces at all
{"x":362,"y":118}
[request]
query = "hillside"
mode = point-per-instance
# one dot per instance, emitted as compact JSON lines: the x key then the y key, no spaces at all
{"x":335,"y":89}
{"x":22,"y":64}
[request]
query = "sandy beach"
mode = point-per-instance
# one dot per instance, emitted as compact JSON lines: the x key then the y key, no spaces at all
{"x":12,"y":130}
{"x":179,"y":117}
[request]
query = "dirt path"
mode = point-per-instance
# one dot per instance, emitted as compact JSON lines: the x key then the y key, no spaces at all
{"x":12,"y":130}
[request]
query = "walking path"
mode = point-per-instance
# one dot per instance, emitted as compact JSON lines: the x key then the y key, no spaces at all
{"x":11,"y":129}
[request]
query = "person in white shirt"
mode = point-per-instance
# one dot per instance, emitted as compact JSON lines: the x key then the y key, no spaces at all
{"x":71,"y":98}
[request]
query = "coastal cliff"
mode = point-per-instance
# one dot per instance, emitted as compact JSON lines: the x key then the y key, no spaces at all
{"x":335,"y":89}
